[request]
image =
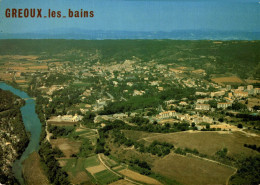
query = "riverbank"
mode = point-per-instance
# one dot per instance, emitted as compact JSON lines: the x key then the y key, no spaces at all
{"x":13,"y":136}
{"x":32,"y":125}
{"x":33,"y":172}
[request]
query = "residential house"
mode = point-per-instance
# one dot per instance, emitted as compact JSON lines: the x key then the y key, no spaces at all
{"x":167,"y":114}
{"x":218,"y":93}
{"x":224,"y":105}
{"x":240,"y":94}
{"x":202,"y":107}
{"x":204,"y":100}
{"x":250,"y":87}
{"x":201,"y":93}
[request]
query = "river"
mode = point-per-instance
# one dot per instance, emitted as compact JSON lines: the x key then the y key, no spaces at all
{"x":32,"y":124}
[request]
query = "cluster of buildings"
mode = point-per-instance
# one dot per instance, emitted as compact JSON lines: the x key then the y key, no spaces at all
{"x":67,"y":118}
{"x":185,"y":117}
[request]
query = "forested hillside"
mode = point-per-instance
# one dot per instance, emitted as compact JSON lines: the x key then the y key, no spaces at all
{"x":13,"y":137}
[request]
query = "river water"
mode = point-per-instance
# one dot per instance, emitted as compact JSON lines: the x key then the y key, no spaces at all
{"x":32,"y":124}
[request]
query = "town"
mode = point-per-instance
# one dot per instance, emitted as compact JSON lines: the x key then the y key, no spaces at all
{"x":137,"y":110}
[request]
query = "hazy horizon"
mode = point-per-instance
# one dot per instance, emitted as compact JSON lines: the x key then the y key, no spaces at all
{"x":138,"y":16}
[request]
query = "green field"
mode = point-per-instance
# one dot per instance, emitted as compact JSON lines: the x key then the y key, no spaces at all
{"x":91,"y":161}
{"x":76,"y":168}
{"x":74,"y":165}
{"x":106,"y":177}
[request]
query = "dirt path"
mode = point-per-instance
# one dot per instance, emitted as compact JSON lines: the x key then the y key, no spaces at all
{"x":230,"y":177}
{"x":248,"y":134}
{"x":218,"y":164}
{"x":48,"y":134}
{"x":125,"y":178}
{"x":210,"y":160}
{"x":100,"y":159}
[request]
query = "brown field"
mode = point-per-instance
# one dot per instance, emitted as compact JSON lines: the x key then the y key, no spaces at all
{"x":225,"y":126}
{"x":17,"y":68}
{"x":79,"y":178}
{"x":117,"y":167}
{"x":192,"y":171}
{"x":20,"y":81}
{"x":168,"y":121}
{"x":6,"y":76}
{"x":67,"y":146}
{"x":122,"y":182}
{"x":38,"y":67}
{"x":138,"y":177}
{"x":252,"y":81}
{"x":62,"y":123}
{"x":96,"y":169}
{"x":18,"y":57}
{"x":32,"y":171}
{"x":232,"y":79}
{"x":208,"y":142}
{"x":62,"y":163}
{"x":253,"y":101}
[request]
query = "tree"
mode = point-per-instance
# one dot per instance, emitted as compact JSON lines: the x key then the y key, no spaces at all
{"x":213,"y":103}
{"x":239,"y":125}
{"x":239,"y":106}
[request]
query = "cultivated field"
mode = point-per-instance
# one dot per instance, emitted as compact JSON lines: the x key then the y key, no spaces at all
{"x":232,"y":79}
{"x":252,"y":81}
{"x":207,"y":142}
{"x":76,"y":170}
{"x":106,"y":177}
{"x":253,"y":102}
{"x":32,"y":171}
{"x":122,"y":182}
{"x":67,"y":146}
{"x":138,"y":177}
{"x":96,"y":169}
{"x":62,"y":123}
{"x":192,"y":171}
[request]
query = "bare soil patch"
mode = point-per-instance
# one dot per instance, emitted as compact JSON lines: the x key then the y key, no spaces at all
{"x":138,"y":177}
{"x":67,"y":146}
{"x":38,"y":67}
{"x":62,"y":163}
{"x":122,"y":182}
{"x":62,"y":123}
{"x":232,"y":79}
{"x":96,"y":169}
{"x":252,"y":81}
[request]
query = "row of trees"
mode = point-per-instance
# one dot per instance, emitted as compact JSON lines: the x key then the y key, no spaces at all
{"x":55,"y":173}
{"x":141,"y":166}
{"x":253,"y":147}
{"x":159,"y":148}
{"x":58,"y":131}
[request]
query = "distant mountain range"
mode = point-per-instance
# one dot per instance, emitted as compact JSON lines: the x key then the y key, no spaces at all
{"x":102,"y":35}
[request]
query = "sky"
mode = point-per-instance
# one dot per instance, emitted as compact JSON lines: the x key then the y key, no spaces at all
{"x":137,"y":15}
